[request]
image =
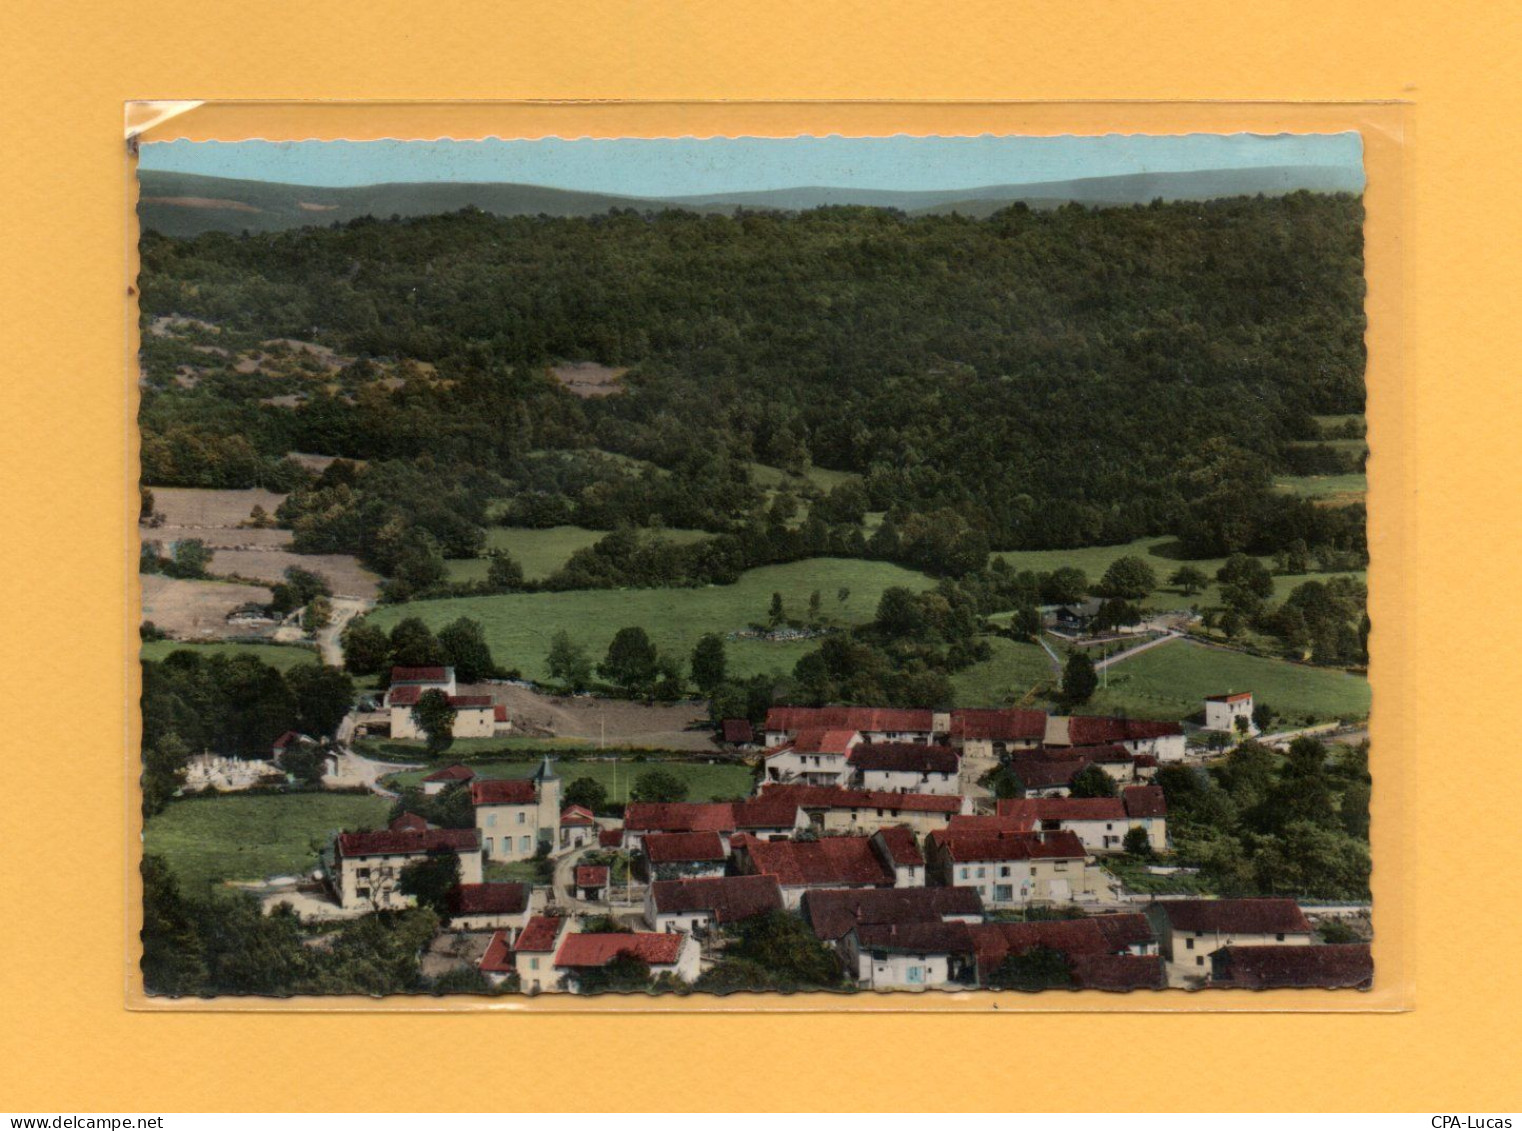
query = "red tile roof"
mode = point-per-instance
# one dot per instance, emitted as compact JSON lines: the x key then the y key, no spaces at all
{"x":834,"y":797}
{"x":933,"y":937}
{"x":790,"y":720}
{"x":978,"y":823}
{"x":489,"y":899}
{"x":1233,"y":697}
{"x":499,"y":713}
{"x":456,"y":772}
{"x":966,"y":848}
{"x":1010,"y":725}
{"x":996,"y":941}
{"x":591,"y":875}
{"x":577,"y":815}
{"x":904,"y":757}
{"x":1045,"y":773}
{"x":833,"y":912}
{"x":728,"y":899}
{"x":408,"y":842}
{"x":738,"y":731}
{"x":498,"y":958}
{"x":540,"y":934}
{"x":1334,"y":966}
{"x":1087,"y":730}
{"x":420,"y":675}
{"x":832,"y":861}
{"x":1063,"y":808}
{"x":900,"y":847}
{"x":1106,"y":753}
{"x":1236,"y":916}
{"x":408,"y":822}
{"x":585,"y":951}
{"x":610,"y":838}
{"x":1119,"y":972}
{"x":769,"y":811}
{"x":684,"y":848}
{"x":819,"y":740}
{"x":502,"y":791}
{"x":1144,"y":801}
{"x":679,"y":816}
{"x":406,"y":696}
{"x":1125,"y":930}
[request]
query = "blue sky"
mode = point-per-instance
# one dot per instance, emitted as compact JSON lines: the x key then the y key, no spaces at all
{"x":685,"y":166}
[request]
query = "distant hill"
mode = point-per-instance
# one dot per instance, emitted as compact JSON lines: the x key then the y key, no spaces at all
{"x":184,"y":204}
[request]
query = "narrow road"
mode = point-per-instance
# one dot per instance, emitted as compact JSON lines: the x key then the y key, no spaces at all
{"x":1051,"y":654}
{"x":1136,"y":651}
{"x":329,"y":639}
{"x":357,"y":770}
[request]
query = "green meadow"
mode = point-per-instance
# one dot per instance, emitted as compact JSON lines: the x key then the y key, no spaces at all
{"x":207,"y":840}
{"x":519,"y":626}
{"x":282,"y":656}
{"x":542,"y":552}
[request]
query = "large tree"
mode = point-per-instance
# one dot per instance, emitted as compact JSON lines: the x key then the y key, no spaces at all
{"x":708,"y":662}
{"x":568,"y":662}
{"x":430,"y":881}
{"x":324,"y":695}
{"x":465,"y":648}
{"x":367,"y":649}
{"x":631,"y":660}
{"x":1079,"y":679}
{"x":435,"y":718}
{"x":413,"y":644}
{"x":1129,"y":578}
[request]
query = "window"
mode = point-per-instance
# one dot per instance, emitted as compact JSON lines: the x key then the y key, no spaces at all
{"x":1060,"y":866}
{"x":1188,"y":944}
{"x":491,"y":820}
{"x":526,"y":844}
{"x":916,"y":975}
{"x":1279,"y":937}
{"x":533,"y":964}
{"x":965,"y":873}
{"x":981,"y":872}
{"x":1003,"y":893}
{"x":488,"y":846}
{"x":364,"y":874}
{"x":1200,"y":961}
{"x":522,"y":816}
{"x":1004,"y":871}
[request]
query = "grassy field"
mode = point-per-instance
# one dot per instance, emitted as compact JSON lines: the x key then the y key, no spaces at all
{"x":519,"y":626}
{"x":1161,"y":553}
{"x":1330,"y":489}
{"x":250,"y":837}
{"x":1170,"y":682}
{"x":704,"y":782}
{"x":542,"y":552}
{"x":282,"y":656}
{"x":1006,"y":679}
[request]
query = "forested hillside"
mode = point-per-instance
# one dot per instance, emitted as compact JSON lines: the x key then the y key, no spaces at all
{"x":1030,"y":380}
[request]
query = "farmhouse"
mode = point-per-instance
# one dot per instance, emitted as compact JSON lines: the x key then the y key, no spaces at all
{"x":533,"y":953}
{"x":898,"y":849}
{"x":1100,"y":823}
{"x":800,"y":866}
{"x":367,"y":865}
{"x":995,"y":733}
{"x":490,"y":907}
{"x":909,"y":956}
{"x":813,"y":757}
{"x":1191,"y":930}
{"x":833,"y":914}
{"x":675,"y":954}
{"x":1012,"y":869}
{"x":1162,"y":740}
{"x":514,"y":815}
{"x":1231,"y":713}
{"x":681,"y":856}
{"x":1330,"y":967}
{"x":440,"y":780}
{"x":698,"y":906}
{"x":1078,"y":940}
{"x":642,"y":818}
{"x":828,"y":810}
{"x":899,"y":767}
{"x":737,"y":732}
{"x":874,"y":724}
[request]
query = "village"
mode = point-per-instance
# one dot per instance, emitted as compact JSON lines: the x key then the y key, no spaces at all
{"x":870,"y":826}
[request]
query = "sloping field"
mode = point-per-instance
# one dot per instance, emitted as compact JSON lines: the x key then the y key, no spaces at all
{"x":1014,"y":671}
{"x":208,"y":840}
{"x":282,"y":656}
{"x":197,"y":608}
{"x":1172,"y":680}
{"x":519,"y":626}
{"x":347,"y":576}
{"x":195,"y":507}
{"x":542,"y":552}
{"x":1332,"y":490}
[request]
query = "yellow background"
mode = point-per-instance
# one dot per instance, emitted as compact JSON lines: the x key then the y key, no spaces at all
{"x":1446,"y":838}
